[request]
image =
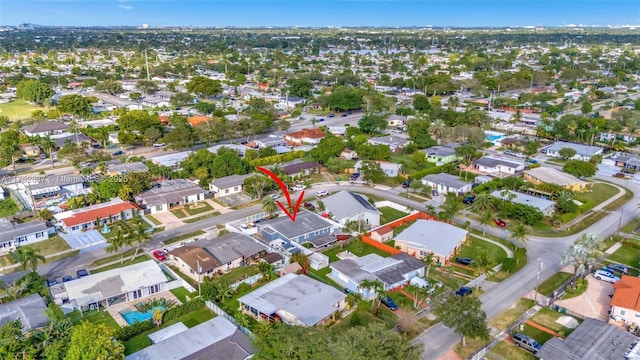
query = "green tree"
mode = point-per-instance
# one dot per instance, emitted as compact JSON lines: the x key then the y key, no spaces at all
{"x":420,"y":158}
{"x":582,"y":254}
{"x":29,"y":258}
{"x":486,"y":219}
{"x":159,"y":307}
{"x":520,"y":234}
{"x":269,"y":205}
{"x":451,"y":207}
{"x":482,"y":203}
{"x":74,"y":104}
{"x":421,"y":103}
{"x":180,"y":99}
{"x":580,"y":169}
{"x":484,"y":264}
{"x":147,"y":86}
{"x":302,"y":260}
{"x":267,"y":270}
{"x":90,"y":341}
{"x":34,"y":91}
{"x":464,"y":315}
{"x":117,"y":241}
{"x":567,"y":153}
{"x":372,"y":171}
{"x":300,"y":87}
{"x":12,"y":340}
{"x":139,"y":235}
{"x":110,"y":87}
{"x":372,"y":124}
{"x":328,"y":148}
{"x":586,"y":107}
{"x":204,"y":87}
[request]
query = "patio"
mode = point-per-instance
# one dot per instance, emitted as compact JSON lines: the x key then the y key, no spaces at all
{"x":80,"y":240}
{"x":115,"y":309}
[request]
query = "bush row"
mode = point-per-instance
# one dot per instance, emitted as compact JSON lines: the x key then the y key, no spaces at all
{"x":127,"y":332}
{"x":183,"y":309}
{"x":275,"y":159}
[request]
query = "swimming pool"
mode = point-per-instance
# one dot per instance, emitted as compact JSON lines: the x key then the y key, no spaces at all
{"x":131,"y":316}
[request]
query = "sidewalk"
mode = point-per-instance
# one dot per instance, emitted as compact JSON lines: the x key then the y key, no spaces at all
{"x":506,"y":249}
{"x":602,"y":205}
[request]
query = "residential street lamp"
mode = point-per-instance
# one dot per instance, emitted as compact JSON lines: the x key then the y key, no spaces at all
{"x":535,"y":296}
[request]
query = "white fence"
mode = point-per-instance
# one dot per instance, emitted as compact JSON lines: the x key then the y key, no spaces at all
{"x":250,"y":280}
{"x":393,"y":205}
{"x":216,"y":309}
{"x":178,"y":279}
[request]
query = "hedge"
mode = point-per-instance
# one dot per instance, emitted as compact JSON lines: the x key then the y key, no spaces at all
{"x":183,"y":309}
{"x":276,"y":159}
{"x":422,"y":173}
{"x":127,"y":332}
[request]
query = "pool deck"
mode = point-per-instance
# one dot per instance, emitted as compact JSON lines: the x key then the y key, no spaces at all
{"x":114,"y":310}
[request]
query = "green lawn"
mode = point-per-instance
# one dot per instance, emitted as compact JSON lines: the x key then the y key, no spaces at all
{"x":111,"y":233}
{"x":127,"y":261}
{"x":179,"y":213}
{"x":65,"y":255}
{"x":201,"y":207}
{"x":190,"y":320}
{"x":495,"y":252}
{"x":513,"y":313}
{"x":628,"y":195}
{"x":631,"y":226}
{"x":600,"y":192}
{"x":8,"y":207}
{"x":547,"y":318}
{"x":184,"y":237}
{"x":116,"y":257}
{"x":408,"y":164}
{"x":363,"y":318}
{"x":19,"y":109}
{"x":51,"y":246}
{"x":6,"y":260}
{"x":153,"y":219}
{"x":181,"y":293}
{"x":356,"y":247}
{"x":509,"y":351}
{"x":553,"y":283}
{"x":390,"y":214}
{"x":538,"y":335}
{"x":95,"y":317}
{"x":198,"y":218}
{"x":626,"y":254}
{"x":237,"y":274}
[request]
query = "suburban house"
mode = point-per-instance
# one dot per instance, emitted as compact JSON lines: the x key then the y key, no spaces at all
{"x":583,"y":152}
{"x":625,"y":302}
{"x":298,"y":168}
{"x":547,"y":175}
{"x":447,"y":183}
{"x":426,"y":237}
{"x":217,"y":338}
{"x":497,"y":166}
{"x":305,"y":136}
{"x":393,"y":271}
{"x":193,"y":261}
{"x":232,"y":250}
{"x":30,"y":310}
{"x":228,"y":185}
{"x":267,"y":142}
{"x":170,"y":193}
{"x":121,"y":169}
{"x":547,"y":207}
{"x":396,"y":121}
{"x":30,"y":150}
{"x":122,"y":284}
{"x":45,"y":128}
{"x":337,"y":130}
{"x":14,"y":235}
{"x":394,"y":143}
{"x":441,"y":155}
{"x":592,"y":340}
{"x":627,"y":162}
{"x":345,"y":206}
{"x":289,"y":102}
{"x":294,"y":300}
{"x":85,"y":218}
{"x":78,"y":139}
{"x":348,"y":154}
{"x":154,"y":102}
{"x":308,"y":227}
{"x":53,"y":186}
{"x":390,"y":169}
{"x":382,"y":234}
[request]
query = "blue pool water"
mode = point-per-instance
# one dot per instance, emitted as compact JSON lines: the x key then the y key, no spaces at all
{"x":493,"y":137}
{"x":131,"y":316}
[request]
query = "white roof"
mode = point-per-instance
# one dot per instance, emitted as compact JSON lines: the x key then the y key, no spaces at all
{"x":524,"y":199}
{"x":436,"y":236}
{"x":96,"y":287}
{"x":553,"y":176}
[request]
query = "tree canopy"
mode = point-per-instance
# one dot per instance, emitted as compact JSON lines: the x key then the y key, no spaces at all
{"x":464,"y":314}
{"x":204,"y":87}
{"x":75,"y":104}
{"x":34,"y":91}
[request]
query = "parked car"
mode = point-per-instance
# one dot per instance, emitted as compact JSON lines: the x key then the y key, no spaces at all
{"x":320,"y":120}
{"x":388,"y":302}
{"x":434,"y":192}
{"x":274,"y":196}
{"x":158,"y":144}
{"x":160,"y":255}
{"x":348,"y":291}
{"x":464,"y":261}
{"x":500,"y":222}
{"x":322,"y":193}
{"x":526,"y":342}
{"x":43,"y":156}
{"x":82,"y":273}
{"x":620,"y":175}
{"x":118,"y":153}
{"x":606,"y":275}
{"x":332,"y":115}
{"x":464,"y":291}
{"x":309,"y":206}
{"x":355,"y":176}
{"x":67,"y":278}
{"x":406,"y":184}
{"x":509,"y":152}
{"x":469,"y":199}
{"x":52,"y":281}
{"x":344,"y":115}
{"x":618,"y":268}
{"x":298,"y":187}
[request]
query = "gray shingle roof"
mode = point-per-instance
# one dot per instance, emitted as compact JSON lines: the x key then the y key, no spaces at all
{"x":390,"y":270}
{"x":436,"y":236}
{"x":231,"y":181}
{"x":171,"y":191}
{"x":230,"y":247}
{"x":582,"y":150}
{"x":591,"y":340}
{"x":306,"y":222}
{"x":347,"y":204}
{"x":492,"y":162}
{"x":440,"y":151}
{"x":449,"y":180}
{"x":137,"y":166}
{"x":9,"y":231}
{"x":46,"y":127}
{"x":30,"y":310}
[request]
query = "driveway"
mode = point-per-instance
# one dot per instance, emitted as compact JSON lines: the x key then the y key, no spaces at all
{"x":169,"y":220}
{"x":594,"y":302}
{"x":81,"y":240}
{"x":235,"y":199}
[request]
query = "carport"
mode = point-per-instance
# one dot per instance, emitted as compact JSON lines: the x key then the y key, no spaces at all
{"x":79,"y":240}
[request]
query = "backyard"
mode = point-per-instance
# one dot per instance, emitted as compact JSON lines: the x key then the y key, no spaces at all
{"x":19,"y":109}
{"x":547,"y":318}
{"x":510,"y":315}
{"x":356,"y":247}
{"x":8,"y":207}
{"x":389,"y":214}
{"x":95,"y":317}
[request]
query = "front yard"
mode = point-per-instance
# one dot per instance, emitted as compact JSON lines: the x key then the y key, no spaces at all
{"x":53,"y":245}
{"x":628,"y":254}
{"x":553,"y":283}
{"x":389,"y":214}
{"x":191,"y":209}
{"x":127,"y":261}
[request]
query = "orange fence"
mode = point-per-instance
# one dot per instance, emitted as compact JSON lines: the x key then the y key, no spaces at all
{"x":380,"y":246}
{"x":389,"y":249}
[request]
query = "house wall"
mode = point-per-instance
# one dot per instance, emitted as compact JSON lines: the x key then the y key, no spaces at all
{"x":158,"y":208}
{"x":500,"y":169}
{"x":573,"y":187}
{"x":224,"y":268}
{"x":420,"y":252}
{"x":8,"y":246}
{"x":382,"y":238}
{"x":441,"y":159}
{"x":577,"y":156}
{"x":629,"y":316}
{"x":146,"y":291}
{"x":446,"y":189}
{"x":225,"y":192}
{"x":366,"y":216}
{"x":128,"y":214}
{"x":351,"y":284}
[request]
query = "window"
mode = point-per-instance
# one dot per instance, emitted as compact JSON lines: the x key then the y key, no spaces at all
{"x":39,"y":235}
{"x":21,"y":239}
{"x":158,"y":207}
{"x":622,"y":312}
{"x":236,"y":188}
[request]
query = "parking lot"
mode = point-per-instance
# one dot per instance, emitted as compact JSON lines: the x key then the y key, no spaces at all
{"x":593,"y":303}
{"x":234,"y":200}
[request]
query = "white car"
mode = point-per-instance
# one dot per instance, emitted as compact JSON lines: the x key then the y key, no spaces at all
{"x":274,"y":196}
{"x":298,"y":188}
{"x":605,"y":276}
{"x":322,"y":193}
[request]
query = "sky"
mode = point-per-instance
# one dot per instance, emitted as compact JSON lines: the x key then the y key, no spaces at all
{"x":256,"y":13}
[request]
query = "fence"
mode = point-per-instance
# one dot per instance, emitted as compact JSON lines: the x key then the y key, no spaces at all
{"x":216,"y":309}
{"x":250,"y":280}
{"x":380,"y":246}
{"x":186,"y":285}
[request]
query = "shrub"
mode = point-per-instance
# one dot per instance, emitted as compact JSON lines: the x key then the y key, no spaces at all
{"x":242,"y":288}
{"x":137,"y":328}
{"x":183,"y":309}
{"x":508,"y":264}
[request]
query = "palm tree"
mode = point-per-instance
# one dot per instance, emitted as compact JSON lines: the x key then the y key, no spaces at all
{"x":482,"y":203}
{"x":13,"y":291}
{"x":269,"y":205}
{"x":302,"y":260}
{"x":453,"y":102}
{"x":103,"y":135}
{"x":139,"y":235}
{"x":483,"y":264}
{"x":451,"y":207}
{"x":267,"y":270}
{"x":117,"y":241}
{"x":486,"y":219}
{"x":241,"y":319}
{"x":436,"y":129}
{"x":581,"y":254}
{"x":29,"y":258}
{"x":159,"y":306}
{"x":415,"y":290}
{"x":428,"y":259}
{"x":520,"y":234}
{"x":224,"y":292}
{"x":48,"y":146}
{"x":74,"y":127}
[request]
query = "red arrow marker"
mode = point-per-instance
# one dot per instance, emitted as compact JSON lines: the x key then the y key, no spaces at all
{"x":294,"y":210}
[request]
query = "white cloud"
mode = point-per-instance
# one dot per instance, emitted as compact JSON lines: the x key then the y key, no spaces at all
{"x":126,"y":7}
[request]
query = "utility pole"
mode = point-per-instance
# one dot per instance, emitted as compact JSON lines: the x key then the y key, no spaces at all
{"x":535,"y":296}
{"x":146,"y":59}
{"x":620,"y":220}
{"x":199,"y":278}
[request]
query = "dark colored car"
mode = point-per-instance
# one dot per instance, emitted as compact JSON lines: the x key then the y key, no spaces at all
{"x":82,"y":273}
{"x":332,"y":115}
{"x":618,"y":268}
{"x":464,"y":291}
{"x":469,"y":199}
{"x":320,"y":120}
{"x":349,"y":112}
{"x":464,"y":261}
{"x":52,"y":281}
{"x":160,"y":255}
{"x":500,"y":222}
{"x":118,"y":153}
{"x":348,"y":291}
{"x":526,"y":342}
{"x":406,"y":184}
{"x":344,"y":115}
{"x":309,"y":206}
{"x":67,"y":278}
{"x":388,"y":302}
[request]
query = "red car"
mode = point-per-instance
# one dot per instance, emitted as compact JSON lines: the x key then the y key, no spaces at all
{"x":160,"y":255}
{"x":500,"y":223}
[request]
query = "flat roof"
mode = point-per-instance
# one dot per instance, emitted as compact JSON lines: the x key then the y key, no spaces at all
{"x":95,"y":287}
{"x":309,"y":300}
{"x":170,"y":160}
{"x":582,"y":150}
{"x":524,"y":199}
{"x":553,"y":176}
{"x":436,"y":236}
{"x":169,"y":192}
{"x":306,"y":222}
{"x":449,"y":180}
